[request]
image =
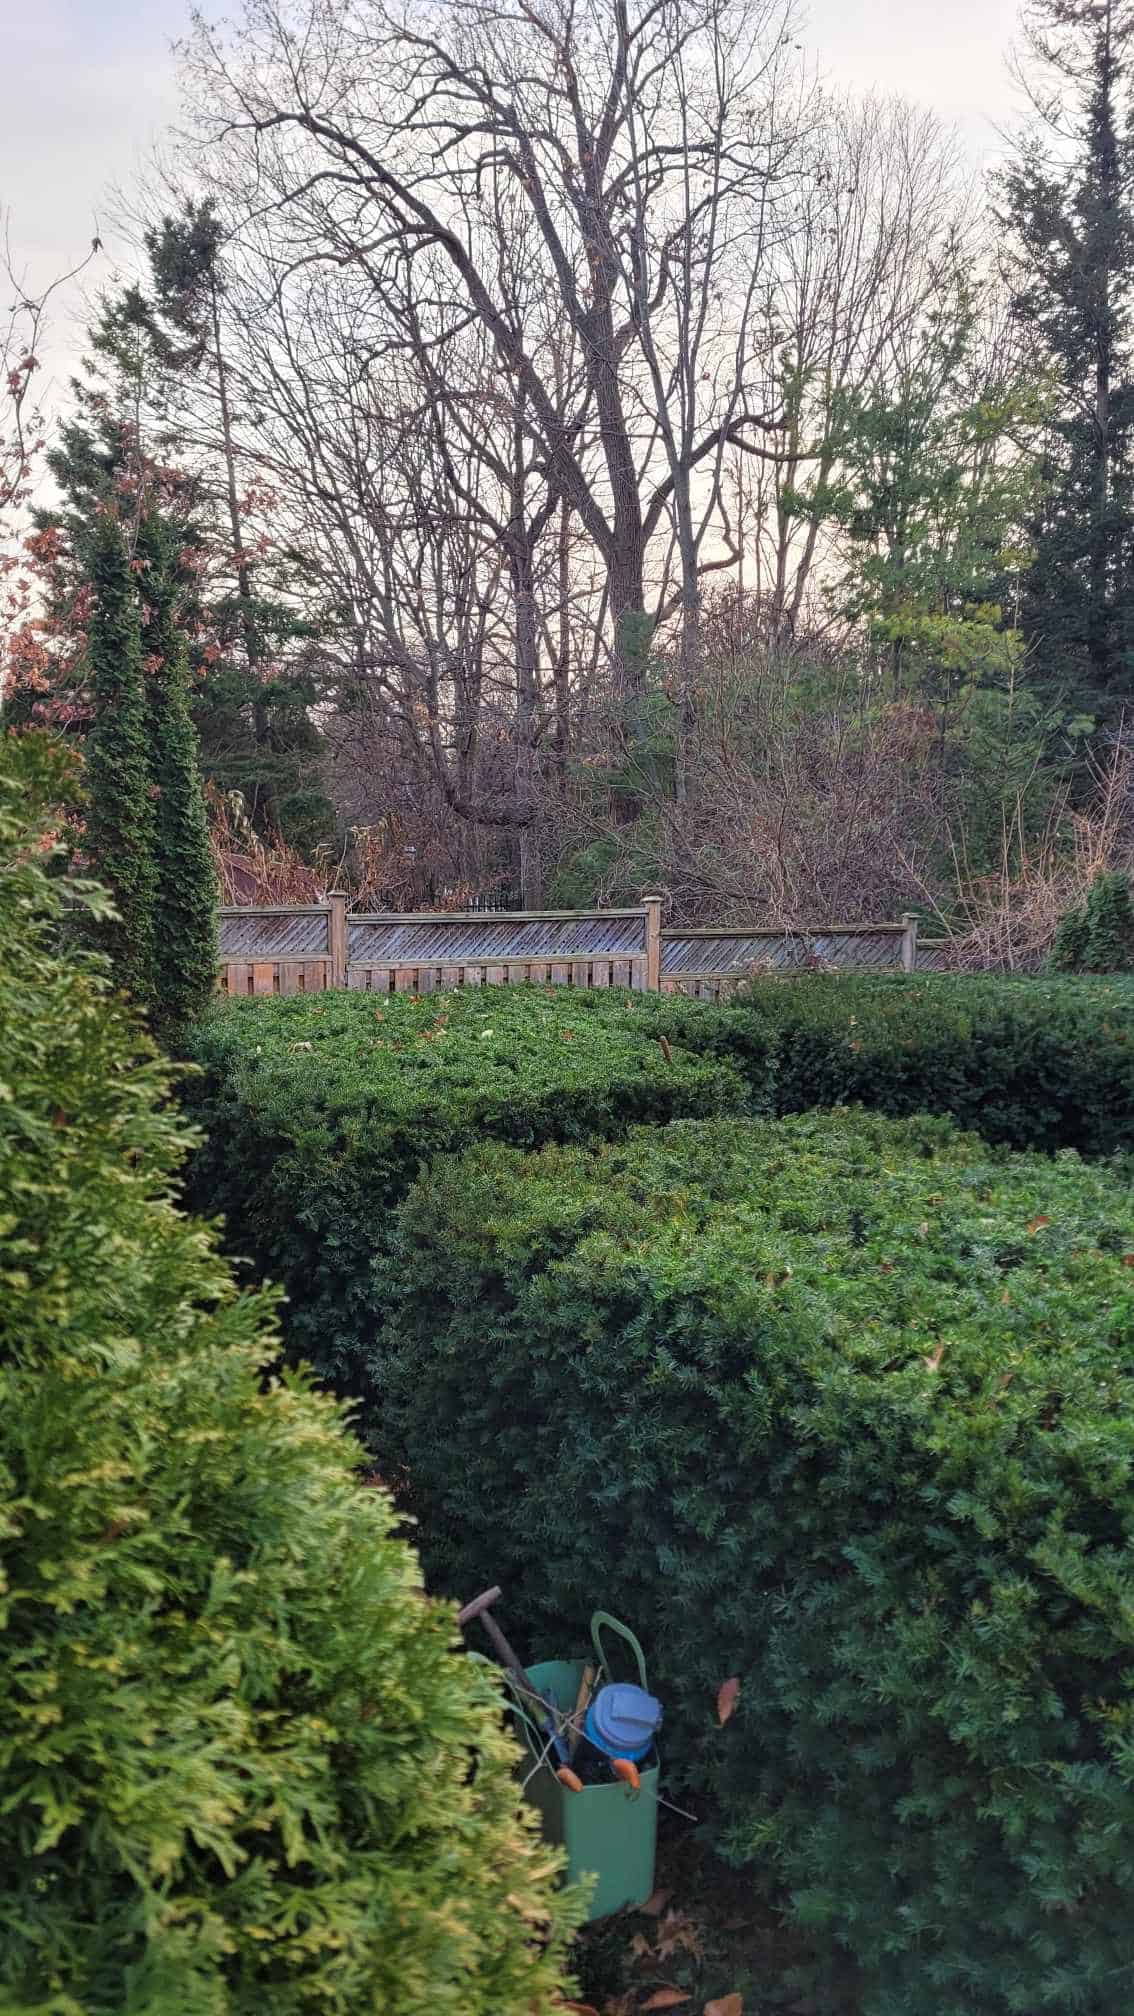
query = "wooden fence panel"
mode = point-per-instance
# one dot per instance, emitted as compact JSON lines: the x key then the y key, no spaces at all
{"x":308,"y":948}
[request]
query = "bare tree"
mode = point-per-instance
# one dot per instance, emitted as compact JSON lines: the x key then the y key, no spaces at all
{"x":875,"y":215}
{"x":23,"y":427}
{"x":642,"y":148}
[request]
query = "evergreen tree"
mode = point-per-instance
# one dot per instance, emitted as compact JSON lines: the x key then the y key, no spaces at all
{"x":932,"y":475}
{"x":253,"y":710}
{"x":120,"y":819}
{"x":185,"y":923}
{"x":1067,"y":206}
{"x":243,"y":1769}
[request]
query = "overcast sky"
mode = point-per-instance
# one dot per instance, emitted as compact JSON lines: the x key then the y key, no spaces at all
{"x":88,"y":85}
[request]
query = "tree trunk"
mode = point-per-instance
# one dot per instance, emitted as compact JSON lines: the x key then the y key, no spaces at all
{"x":689,"y":648}
{"x":1098,"y":623}
{"x":266,"y":807}
{"x":520,"y":562}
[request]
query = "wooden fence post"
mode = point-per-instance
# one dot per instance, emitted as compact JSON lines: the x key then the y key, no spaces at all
{"x":652,"y":906}
{"x":337,"y":936}
{"x":909,"y":943}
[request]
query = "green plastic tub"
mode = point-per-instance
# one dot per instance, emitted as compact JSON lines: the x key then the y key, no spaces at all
{"x":608,"y":1831}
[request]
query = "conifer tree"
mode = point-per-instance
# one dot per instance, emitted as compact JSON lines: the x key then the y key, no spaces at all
{"x":120,"y":819}
{"x":243,"y":1769}
{"x":1068,"y":208}
{"x":185,"y":923}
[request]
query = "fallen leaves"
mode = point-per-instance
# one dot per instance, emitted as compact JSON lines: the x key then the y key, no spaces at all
{"x":727,"y":1695}
{"x":725,"y":2005}
{"x":678,"y":1933}
{"x":667,"y":1998}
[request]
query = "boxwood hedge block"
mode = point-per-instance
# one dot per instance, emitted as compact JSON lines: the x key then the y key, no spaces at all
{"x":321,"y":1111}
{"x":1031,"y":1063}
{"x":843,"y":1407}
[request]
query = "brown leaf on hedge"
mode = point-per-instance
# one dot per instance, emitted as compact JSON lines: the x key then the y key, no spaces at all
{"x":725,"y":2005}
{"x":1036,"y":1224}
{"x":727,"y":1694}
{"x":666,"y":1998}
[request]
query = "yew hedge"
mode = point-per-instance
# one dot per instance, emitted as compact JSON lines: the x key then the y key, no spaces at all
{"x":319,"y":1113}
{"x":1032,"y":1063}
{"x":843,"y":1407}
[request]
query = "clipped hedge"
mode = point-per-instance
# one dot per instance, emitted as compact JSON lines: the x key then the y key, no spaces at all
{"x":242,"y":1767}
{"x":320,"y":1112}
{"x":1043,"y":1064}
{"x":843,"y":1407}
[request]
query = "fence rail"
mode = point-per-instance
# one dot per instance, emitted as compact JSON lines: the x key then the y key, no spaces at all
{"x":308,"y":948}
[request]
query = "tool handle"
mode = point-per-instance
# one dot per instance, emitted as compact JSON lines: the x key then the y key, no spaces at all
{"x":479,"y":1603}
{"x":582,"y":1702}
{"x":506,"y":1655}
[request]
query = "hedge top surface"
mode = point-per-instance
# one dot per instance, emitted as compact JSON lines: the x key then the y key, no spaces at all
{"x":357,"y":1054}
{"x":309,"y":1099}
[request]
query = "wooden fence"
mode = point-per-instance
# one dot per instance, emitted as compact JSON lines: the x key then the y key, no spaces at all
{"x":306,"y":949}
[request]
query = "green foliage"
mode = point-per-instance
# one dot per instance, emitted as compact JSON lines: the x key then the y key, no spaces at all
{"x":1043,"y":1064}
{"x":1098,"y":937}
{"x":241,"y":1767}
{"x":842,"y":1407}
{"x":1110,"y":924}
{"x":1069,"y":945}
{"x":319,"y":1111}
{"x":185,"y":894}
{"x":929,"y":499}
{"x":1068,"y":205}
{"x":120,"y":819}
{"x":257,"y":681}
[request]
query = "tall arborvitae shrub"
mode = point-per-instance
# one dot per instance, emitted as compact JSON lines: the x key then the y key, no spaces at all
{"x":120,"y":817}
{"x":185,"y":894}
{"x":243,"y":1768}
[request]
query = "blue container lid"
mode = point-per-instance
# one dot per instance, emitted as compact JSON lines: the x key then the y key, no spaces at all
{"x":623,"y":1720}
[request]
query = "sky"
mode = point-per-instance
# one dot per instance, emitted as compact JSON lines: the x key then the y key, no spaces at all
{"x":87,"y":87}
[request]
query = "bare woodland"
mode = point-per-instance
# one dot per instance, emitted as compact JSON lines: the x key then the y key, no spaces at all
{"x":529,"y":345}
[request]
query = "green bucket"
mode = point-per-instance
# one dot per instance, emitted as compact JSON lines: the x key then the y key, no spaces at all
{"x":608,"y":1831}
